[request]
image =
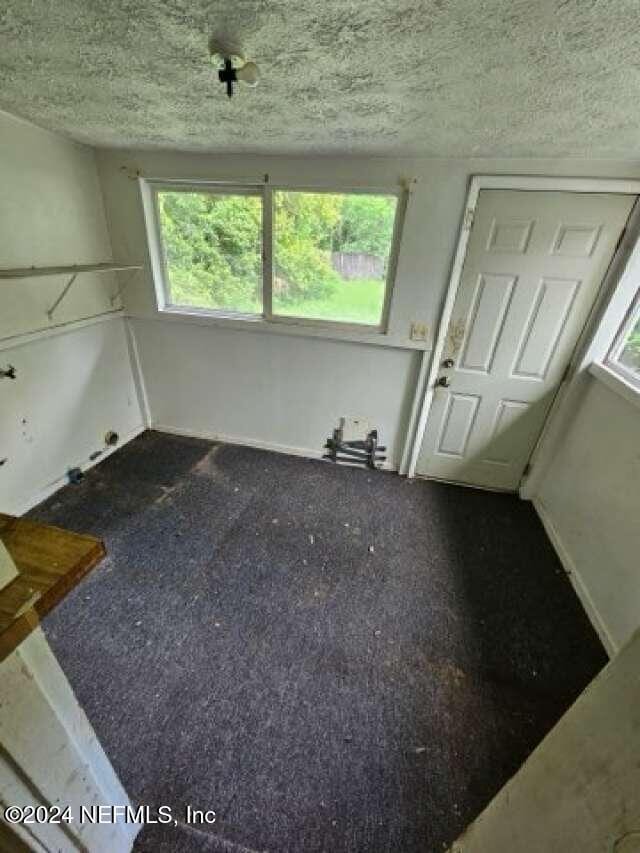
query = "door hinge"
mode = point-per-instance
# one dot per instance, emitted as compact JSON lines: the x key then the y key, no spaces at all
{"x":469,"y":216}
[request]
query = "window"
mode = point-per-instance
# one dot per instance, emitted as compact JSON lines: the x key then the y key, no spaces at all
{"x":331,"y":255}
{"x":624,"y":356}
{"x":318,"y":257}
{"x":211,"y":249}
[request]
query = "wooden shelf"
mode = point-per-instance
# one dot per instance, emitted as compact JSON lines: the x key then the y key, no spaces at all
{"x":50,"y":562}
{"x":33,"y":272}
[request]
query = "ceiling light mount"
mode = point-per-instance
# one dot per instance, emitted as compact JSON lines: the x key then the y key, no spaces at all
{"x":232,"y":68}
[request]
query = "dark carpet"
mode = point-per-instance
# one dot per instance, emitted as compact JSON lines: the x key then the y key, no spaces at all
{"x":331,"y":659}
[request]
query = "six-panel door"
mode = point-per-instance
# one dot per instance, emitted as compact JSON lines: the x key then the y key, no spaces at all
{"x":534,"y":264}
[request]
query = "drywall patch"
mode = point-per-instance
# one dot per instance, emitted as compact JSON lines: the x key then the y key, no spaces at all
{"x":440,"y":77}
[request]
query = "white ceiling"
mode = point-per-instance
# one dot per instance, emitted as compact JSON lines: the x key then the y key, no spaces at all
{"x":428,"y":77}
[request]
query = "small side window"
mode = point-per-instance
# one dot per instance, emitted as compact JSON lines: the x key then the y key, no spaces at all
{"x":624,"y":356}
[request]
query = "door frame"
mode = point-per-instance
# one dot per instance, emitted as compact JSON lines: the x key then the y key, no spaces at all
{"x":430,"y":365}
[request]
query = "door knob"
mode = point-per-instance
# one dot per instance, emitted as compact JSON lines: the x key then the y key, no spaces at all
{"x":443,"y":382}
{"x":448,"y":362}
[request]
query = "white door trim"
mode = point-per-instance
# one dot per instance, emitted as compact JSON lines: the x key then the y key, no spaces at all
{"x":502,"y":182}
{"x":612,"y":304}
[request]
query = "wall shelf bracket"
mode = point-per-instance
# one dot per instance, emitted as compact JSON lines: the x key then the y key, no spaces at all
{"x":113,"y":299}
{"x":63,"y":293}
{"x":73,"y":271}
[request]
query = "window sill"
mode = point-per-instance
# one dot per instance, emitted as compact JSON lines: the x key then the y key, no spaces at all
{"x":289,"y":327}
{"x":616,"y":383}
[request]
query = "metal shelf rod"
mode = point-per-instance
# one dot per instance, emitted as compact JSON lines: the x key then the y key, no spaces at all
{"x":32,"y":272}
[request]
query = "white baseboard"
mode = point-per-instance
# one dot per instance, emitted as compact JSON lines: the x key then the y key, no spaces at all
{"x":576,"y":580}
{"x":287,"y":449}
{"x":85,"y":464}
{"x":493,"y":489}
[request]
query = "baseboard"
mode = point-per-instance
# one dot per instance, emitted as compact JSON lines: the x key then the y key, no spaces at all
{"x":84,"y":464}
{"x":493,"y":489}
{"x":87,"y":464}
{"x":287,"y":449}
{"x":576,"y":579}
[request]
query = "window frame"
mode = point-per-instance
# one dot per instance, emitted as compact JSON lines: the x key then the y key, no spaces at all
{"x":611,"y":360}
{"x":150,"y":187}
{"x":160,"y":272}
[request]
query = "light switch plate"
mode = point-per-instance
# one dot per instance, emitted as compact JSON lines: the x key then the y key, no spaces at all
{"x":418,"y":331}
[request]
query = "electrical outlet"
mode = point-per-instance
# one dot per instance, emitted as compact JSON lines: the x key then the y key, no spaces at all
{"x":354,"y":428}
{"x":418,"y":331}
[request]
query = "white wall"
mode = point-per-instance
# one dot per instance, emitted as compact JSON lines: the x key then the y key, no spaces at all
{"x":590,"y":501}
{"x":585,"y":479}
{"x":284,"y":393}
{"x":71,"y":388}
{"x":264,"y":385}
{"x":74,"y":378}
{"x":51,"y":214}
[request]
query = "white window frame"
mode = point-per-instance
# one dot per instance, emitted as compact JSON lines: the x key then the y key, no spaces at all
{"x":611,"y":360}
{"x":150,"y":190}
{"x":150,"y":187}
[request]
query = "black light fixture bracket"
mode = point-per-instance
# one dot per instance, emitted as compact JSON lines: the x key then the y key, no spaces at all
{"x":231,"y":66}
{"x":227,"y":75}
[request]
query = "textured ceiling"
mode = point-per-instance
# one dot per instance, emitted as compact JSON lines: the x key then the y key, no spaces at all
{"x":427,"y":77}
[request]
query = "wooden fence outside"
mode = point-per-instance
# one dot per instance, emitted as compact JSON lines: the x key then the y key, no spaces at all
{"x":354,"y":265}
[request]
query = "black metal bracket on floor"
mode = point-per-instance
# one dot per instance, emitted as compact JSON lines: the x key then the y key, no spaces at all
{"x":367,"y":452}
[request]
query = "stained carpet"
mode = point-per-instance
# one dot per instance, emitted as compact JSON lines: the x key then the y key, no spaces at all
{"x":331,"y":659}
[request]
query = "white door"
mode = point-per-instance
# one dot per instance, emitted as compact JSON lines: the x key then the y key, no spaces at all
{"x":535,"y":261}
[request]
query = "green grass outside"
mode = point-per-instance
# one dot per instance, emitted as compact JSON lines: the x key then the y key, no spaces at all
{"x":356,"y":301}
{"x":630,"y":355}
